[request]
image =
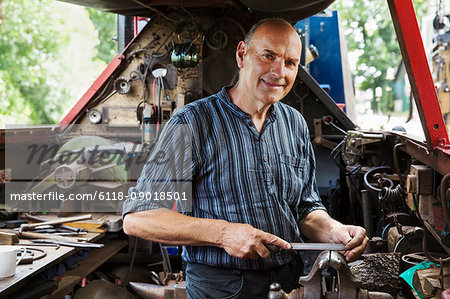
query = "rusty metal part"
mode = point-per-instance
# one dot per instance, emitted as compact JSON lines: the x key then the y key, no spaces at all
{"x":318,"y":138}
{"x":122,"y":85}
{"x":444,"y":198}
{"x":310,"y":246}
{"x":405,"y":239}
{"x":348,"y":286}
{"x":354,"y":145}
{"x":438,"y":160}
{"x":413,"y":259}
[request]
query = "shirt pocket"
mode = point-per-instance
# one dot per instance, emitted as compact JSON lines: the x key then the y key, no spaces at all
{"x":291,"y":174}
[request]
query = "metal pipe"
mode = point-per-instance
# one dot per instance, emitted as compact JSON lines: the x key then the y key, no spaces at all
{"x":367,"y":213}
{"x":397,"y":165}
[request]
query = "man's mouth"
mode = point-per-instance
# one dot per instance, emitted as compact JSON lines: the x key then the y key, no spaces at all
{"x":272,"y":84}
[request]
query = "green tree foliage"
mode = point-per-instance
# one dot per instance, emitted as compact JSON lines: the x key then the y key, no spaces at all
{"x":30,"y":35}
{"x":368,"y":30}
{"x":105,"y":24}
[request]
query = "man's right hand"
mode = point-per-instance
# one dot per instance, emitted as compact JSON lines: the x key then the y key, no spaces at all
{"x":244,"y":241}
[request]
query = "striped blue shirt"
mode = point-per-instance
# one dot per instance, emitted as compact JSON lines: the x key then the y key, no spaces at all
{"x":264,"y":179}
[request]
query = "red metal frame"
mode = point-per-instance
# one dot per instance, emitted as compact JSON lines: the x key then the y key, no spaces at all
{"x":136,"y":22}
{"x":79,"y":106}
{"x":422,"y":85}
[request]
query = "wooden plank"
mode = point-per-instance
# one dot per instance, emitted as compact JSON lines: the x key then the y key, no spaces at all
{"x":426,"y":281}
{"x":95,"y":258}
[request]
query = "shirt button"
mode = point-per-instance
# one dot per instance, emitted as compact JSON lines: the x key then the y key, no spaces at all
{"x":262,"y":139}
{"x":250,"y":123}
{"x":266,"y":159}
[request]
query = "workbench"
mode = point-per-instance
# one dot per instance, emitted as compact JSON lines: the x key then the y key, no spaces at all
{"x":95,"y":258}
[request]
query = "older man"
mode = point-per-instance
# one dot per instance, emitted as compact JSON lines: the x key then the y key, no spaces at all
{"x":253,"y":180}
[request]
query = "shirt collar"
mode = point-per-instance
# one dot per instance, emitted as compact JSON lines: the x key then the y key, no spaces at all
{"x":225,"y":99}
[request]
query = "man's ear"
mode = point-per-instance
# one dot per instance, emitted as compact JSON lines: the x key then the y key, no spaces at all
{"x":240,"y":53}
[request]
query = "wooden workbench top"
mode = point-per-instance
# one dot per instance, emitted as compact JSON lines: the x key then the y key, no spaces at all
{"x":24,"y":272}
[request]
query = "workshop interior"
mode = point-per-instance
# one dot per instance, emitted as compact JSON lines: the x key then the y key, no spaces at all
{"x":171,"y":53}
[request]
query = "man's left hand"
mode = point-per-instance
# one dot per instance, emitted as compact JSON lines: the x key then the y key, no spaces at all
{"x":318,"y":226}
{"x":354,"y":238}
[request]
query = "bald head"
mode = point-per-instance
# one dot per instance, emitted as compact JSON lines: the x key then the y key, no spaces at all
{"x":275,"y":23}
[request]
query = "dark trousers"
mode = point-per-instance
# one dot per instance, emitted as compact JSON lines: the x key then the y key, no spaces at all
{"x":203,"y":281}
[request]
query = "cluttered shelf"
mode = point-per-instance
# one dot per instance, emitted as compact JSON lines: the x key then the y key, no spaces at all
{"x":44,"y":247}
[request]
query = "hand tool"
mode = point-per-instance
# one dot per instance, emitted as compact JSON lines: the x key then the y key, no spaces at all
{"x":59,"y":232}
{"x":28,"y":226}
{"x":310,"y":246}
{"x":68,"y":243}
{"x":37,"y":244}
{"x":32,"y":235}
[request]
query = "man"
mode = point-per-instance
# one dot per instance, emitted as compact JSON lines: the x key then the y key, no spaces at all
{"x":253,"y":180}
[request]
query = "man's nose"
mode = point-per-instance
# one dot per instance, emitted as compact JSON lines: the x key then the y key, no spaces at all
{"x":278,"y":68}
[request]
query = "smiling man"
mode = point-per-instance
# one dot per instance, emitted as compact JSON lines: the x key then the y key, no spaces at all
{"x":253,"y":180}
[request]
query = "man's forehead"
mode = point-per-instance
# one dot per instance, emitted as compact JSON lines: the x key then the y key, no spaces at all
{"x":280,"y":33}
{"x":274,"y":41}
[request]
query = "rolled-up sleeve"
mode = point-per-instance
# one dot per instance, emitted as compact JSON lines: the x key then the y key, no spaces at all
{"x":310,"y":198}
{"x":166,"y":177}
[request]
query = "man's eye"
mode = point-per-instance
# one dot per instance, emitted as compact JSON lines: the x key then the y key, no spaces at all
{"x":290,"y":63}
{"x":268,"y":56}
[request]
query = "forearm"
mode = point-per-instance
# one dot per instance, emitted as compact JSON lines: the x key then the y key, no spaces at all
{"x":169,"y":227}
{"x":318,"y":226}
